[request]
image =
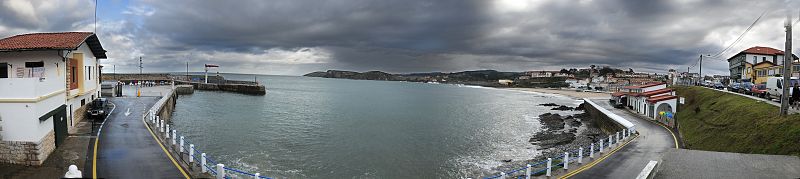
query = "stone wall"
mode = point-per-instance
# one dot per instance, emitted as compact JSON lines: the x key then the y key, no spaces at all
{"x":77,"y":116}
{"x":27,"y":153}
{"x":166,"y":109}
{"x":602,"y":120}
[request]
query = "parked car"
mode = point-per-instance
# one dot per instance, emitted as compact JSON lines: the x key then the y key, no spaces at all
{"x":733,"y":87}
{"x":98,"y":109}
{"x":758,"y":90}
{"x":775,"y":86}
{"x":718,"y":85}
{"x":745,"y":87}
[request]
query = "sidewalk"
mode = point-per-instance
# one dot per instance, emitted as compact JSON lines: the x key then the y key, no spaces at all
{"x":777,"y":104}
{"x":74,"y":151}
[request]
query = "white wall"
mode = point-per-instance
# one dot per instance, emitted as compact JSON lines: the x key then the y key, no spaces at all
{"x":90,"y":85}
{"x":20,"y":121}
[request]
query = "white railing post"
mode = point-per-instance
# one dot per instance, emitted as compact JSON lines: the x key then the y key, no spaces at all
{"x":591,"y":151}
{"x":257,"y":176}
{"x":601,"y":146}
{"x":220,"y":171}
{"x":528,"y":172}
{"x":502,"y":175}
{"x":617,"y":137}
{"x":191,"y":153}
{"x":549,"y":165}
{"x":624,"y":133}
{"x":174,"y":132}
{"x":610,"y":141}
{"x":167,"y":133}
{"x":566,"y":160}
{"x":181,"y":148}
{"x":580,"y":154}
{"x":203,"y":162}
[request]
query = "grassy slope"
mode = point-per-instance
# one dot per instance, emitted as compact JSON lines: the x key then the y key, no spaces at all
{"x":717,"y":121}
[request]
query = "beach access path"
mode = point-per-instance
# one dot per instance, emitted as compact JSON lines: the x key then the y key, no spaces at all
{"x":127,"y":149}
{"x":653,"y":141}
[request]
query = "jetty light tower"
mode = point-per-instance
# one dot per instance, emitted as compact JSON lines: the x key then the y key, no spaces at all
{"x":206,"y":69}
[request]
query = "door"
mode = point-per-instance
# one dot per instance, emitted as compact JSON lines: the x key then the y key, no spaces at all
{"x":3,"y":70}
{"x":59,"y":118}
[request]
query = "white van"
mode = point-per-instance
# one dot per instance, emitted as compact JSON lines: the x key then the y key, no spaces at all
{"x":775,"y":86}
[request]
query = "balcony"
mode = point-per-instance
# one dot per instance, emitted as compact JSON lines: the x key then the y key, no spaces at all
{"x":28,"y":89}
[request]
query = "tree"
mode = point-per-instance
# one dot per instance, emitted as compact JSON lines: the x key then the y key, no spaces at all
{"x":564,"y":71}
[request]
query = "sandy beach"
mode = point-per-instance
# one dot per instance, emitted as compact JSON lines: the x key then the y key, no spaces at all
{"x":566,"y":92}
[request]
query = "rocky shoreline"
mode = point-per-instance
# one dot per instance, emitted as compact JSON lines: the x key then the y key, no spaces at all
{"x":560,"y":134}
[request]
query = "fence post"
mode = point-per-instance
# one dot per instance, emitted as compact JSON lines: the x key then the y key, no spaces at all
{"x":549,"y":165}
{"x":167,"y":133}
{"x":601,"y":146}
{"x":610,"y":141}
{"x":580,"y":154}
{"x":191,"y":153}
{"x":220,"y":171}
{"x":174,"y":136}
{"x":591,"y":151}
{"x":528,"y":172}
{"x":502,"y":175}
{"x":624,"y":132}
{"x":203,"y":162}
{"x":617,"y":137}
{"x":566,"y":160}
{"x":158,"y":121}
{"x":257,"y":176}
{"x":181,"y":148}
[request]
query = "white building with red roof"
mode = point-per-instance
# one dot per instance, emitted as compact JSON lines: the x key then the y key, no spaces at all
{"x":654,"y":100}
{"x":46,"y":80}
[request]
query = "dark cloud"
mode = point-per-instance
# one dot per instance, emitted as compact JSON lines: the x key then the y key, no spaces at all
{"x":298,"y":36}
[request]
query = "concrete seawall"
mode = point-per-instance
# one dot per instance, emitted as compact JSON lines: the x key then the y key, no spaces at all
{"x":231,"y":87}
{"x":609,"y":121}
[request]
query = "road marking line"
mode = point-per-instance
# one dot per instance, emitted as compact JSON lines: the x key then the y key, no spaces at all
{"x":97,"y":141}
{"x":128,"y":112}
{"x":164,"y":149}
{"x":595,"y":162}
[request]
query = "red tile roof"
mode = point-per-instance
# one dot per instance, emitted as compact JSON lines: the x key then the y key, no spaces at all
{"x":644,"y":86}
{"x":661,"y":98}
{"x":656,"y":92}
{"x":618,"y":94}
{"x":53,"y":41}
{"x":763,"y":51}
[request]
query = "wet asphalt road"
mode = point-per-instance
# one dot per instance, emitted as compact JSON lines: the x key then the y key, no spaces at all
{"x":627,"y":162}
{"x":127,"y":149}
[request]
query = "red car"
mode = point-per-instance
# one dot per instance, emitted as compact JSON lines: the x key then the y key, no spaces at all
{"x":759,"y":90}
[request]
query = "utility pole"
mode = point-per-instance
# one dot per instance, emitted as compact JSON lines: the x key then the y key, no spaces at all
{"x":787,"y":66}
{"x":140,"y":65}
{"x":701,"y":66}
{"x":187,"y":72}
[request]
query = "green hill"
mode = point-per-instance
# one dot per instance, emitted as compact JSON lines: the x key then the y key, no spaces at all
{"x":718,"y":121}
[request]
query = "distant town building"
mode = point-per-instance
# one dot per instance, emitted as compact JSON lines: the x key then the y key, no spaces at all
{"x":46,"y":82}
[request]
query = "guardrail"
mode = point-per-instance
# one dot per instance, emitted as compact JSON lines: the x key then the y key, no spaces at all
{"x":573,"y":156}
{"x":178,"y":142}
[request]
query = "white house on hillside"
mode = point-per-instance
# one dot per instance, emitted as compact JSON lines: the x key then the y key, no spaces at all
{"x":46,"y":80}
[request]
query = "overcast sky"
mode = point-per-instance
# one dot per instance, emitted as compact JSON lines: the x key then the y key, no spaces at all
{"x":294,"y":37}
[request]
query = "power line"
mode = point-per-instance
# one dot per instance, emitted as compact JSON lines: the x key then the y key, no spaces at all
{"x":741,"y":36}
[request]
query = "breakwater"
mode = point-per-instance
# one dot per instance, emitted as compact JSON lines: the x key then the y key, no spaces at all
{"x":215,"y":83}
